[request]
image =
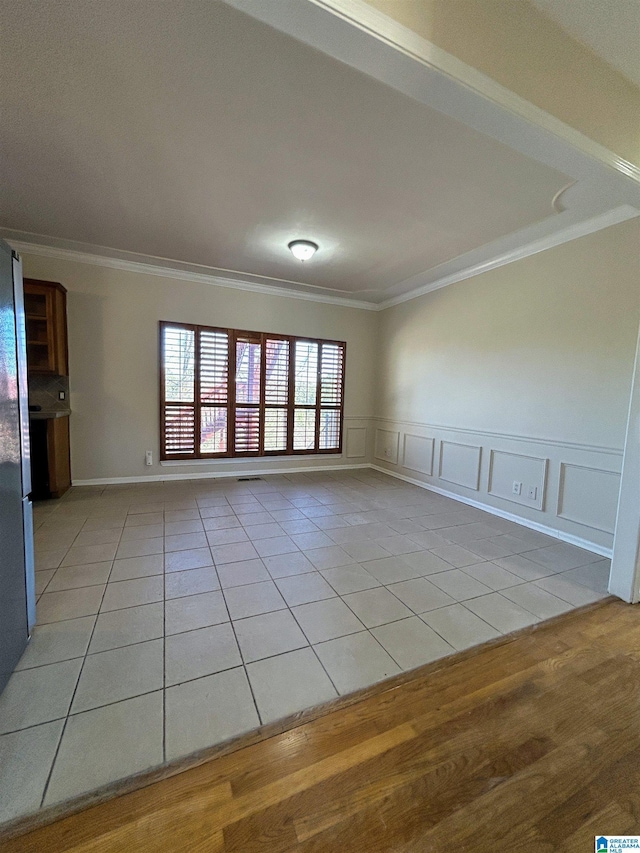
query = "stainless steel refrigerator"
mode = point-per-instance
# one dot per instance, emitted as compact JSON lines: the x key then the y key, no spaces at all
{"x":17,"y":576}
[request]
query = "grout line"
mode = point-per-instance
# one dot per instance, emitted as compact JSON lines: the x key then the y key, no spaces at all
{"x":73,"y":695}
{"x":244,"y":665}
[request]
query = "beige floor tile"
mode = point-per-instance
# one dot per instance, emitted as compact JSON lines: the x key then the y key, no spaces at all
{"x":302,"y":589}
{"x":73,"y":577}
{"x":536,"y":600}
{"x":492,"y":576}
{"x":519,"y":565}
{"x":412,"y":642}
{"x":185,"y":541}
{"x":375,"y":607}
{"x":195,"y":611}
{"x":229,"y":536}
{"x":365,"y":549}
{"x":352,"y":578}
{"x":98,"y":537}
{"x":42,"y":580}
{"x":118,"y":628}
{"x":286,"y":565}
{"x":57,"y":641}
{"x":204,"y":651}
{"x":391,"y":570}
{"x":288,"y":683}
{"x":69,"y":604}
{"x":146,"y":531}
{"x":460,"y":627}
{"x":137,"y":567}
{"x":420,"y":595}
{"x":119,"y":594}
{"x":195,"y":558}
{"x":121,"y":739}
{"x":567,"y":590}
{"x":140,"y":548}
{"x":311,"y":541}
{"x":191,"y":582}
{"x":268,"y":634}
{"x":355,"y":661}
{"x":275,"y":547}
{"x":235,"y":553}
{"x":39,"y":695}
{"x":459,"y":585}
{"x":207,"y":711}
{"x":253,"y":599}
{"x":119,"y":674}
{"x":501,"y":613}
{"x":26,"y":758}
{"x":329,"y":558}
{"x":49,"y":559}
{"x":326,"y":620}
{"x":81,"y":554}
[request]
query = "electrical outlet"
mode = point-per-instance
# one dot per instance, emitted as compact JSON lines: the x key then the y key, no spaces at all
{"x":532,"y":493}
{"x":517,"y":487}
{"x":387,"y":452}
{"x":148,"y":458}
{"x":62,"y":395}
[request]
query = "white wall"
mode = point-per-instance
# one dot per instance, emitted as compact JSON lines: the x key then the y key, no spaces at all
{"x":113,"y":354}
{"x":522,"y":373}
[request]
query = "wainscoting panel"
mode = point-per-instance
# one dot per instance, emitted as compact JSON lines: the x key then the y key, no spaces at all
{"x":530,"y":471}
{"x":386,"y":447}
{"x":356,"y":442}
{"x":589,"y":496}
{"x":460,"y":464}
{"x":576,"y":484}
{"x":417,"y":453}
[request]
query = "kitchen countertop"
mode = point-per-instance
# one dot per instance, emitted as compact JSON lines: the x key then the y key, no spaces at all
{"x":41,"y":416}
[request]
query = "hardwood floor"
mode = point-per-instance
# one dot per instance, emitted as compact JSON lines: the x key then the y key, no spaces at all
{"x":531,"y":745}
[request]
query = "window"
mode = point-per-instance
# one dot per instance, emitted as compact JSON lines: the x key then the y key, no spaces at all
{"x":229,"y":393}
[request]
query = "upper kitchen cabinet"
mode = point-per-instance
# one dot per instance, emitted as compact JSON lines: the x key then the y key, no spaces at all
{"x":46,"y":312}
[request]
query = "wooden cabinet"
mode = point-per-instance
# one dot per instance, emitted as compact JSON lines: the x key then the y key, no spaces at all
{"x":45,"y":305}
{"x":50,"y":468}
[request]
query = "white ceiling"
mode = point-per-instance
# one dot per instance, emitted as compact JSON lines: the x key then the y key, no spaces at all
{"x":611,"y":28}
{"x":189,"y":131}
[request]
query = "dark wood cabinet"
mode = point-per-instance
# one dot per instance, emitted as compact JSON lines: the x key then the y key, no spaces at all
{"x":45,"y":305}
{"x":47,"y":359}
{"x":50,"y":469}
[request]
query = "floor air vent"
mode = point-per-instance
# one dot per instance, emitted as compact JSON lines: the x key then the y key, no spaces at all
{"x":247,"y":479}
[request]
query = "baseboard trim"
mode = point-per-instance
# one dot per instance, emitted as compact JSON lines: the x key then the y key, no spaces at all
{"x":509,"y":516}
{"x":216,"y":475}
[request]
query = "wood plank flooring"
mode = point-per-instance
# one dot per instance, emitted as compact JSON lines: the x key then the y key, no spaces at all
{"x":531,"y":744}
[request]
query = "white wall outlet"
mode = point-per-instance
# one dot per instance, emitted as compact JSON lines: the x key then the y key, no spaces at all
{"x":148,"y":458}
{"x":62,"y":395}
{"x":517,"y":487}
{"x":388,"y":453}
{"x":532,"y":493}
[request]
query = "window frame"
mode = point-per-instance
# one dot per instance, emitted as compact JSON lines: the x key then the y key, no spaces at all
{"x":262,"y":406}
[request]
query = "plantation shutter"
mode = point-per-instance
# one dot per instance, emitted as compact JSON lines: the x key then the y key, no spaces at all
{"x":230,"y":393}
{"x":178,"y":377}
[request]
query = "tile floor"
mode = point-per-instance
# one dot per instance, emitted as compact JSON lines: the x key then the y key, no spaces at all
{"x":176,"y":615}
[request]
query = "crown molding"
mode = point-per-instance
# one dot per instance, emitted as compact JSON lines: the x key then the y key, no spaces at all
{"x":563,"y":235}
{"x":379,"y":25}
{"x":181,"y":274}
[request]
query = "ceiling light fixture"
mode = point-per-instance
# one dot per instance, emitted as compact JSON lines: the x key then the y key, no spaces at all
{"x":303,"y":249}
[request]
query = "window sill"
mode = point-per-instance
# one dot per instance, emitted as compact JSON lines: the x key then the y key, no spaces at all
{"x":231,"y":460}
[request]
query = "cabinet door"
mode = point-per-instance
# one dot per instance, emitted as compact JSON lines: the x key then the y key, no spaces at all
{"x":39,"y":310}
{"x":59,"y":457}
{"x":46,"y":314}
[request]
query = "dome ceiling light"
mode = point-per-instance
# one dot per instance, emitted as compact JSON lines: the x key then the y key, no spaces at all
{"x":303,"y":249}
